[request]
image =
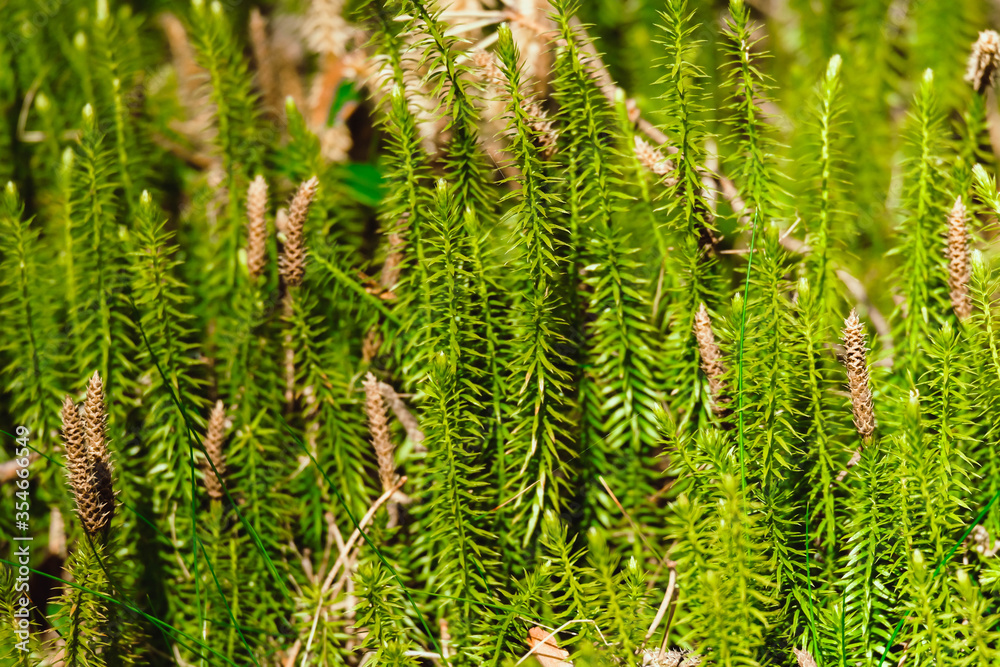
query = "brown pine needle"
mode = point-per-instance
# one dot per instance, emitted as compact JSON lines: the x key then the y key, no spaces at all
{"x":664,"y":605}
{"x":345,"y":554}
{"x":356,"y":535}
{"x":517,"y":495}
{"x":403,"y":414}
{"x":855,"y":460}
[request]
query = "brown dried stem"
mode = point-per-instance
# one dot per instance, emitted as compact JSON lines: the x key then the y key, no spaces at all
{"x":403,"y":414}
{"x":342,"y":560}
{"x":393,"y":264}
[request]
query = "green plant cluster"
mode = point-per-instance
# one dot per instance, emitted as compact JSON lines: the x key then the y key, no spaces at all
{"x":569,"y":376}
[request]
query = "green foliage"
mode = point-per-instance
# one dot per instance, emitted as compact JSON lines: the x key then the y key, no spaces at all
{"x":382,"y":615}
{"x":687,"y":212}
{"x":460,"y":546}
{"x":19,"y":648}
{"x":221,"y":56}
{"x":162,"y":300}
{"x":95,"y":631}
{"x":823,"y":232}
{"x":872,"y":560}
{"x":28,"y":308}
{"x":749,"y":84}
{"x":597,"y":258}
{"x":100,"y":333}
{"x":922,"y":270}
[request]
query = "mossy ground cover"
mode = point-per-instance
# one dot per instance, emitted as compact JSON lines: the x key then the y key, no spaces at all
{"x":397,"y":332}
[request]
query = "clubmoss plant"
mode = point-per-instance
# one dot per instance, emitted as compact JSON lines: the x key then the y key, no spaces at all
{"x":460,"y":334}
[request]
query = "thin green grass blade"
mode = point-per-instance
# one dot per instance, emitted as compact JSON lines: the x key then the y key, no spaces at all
{"x":491,"y":605}
{"x":229,"y":610}
{"x":196,"y":541}
{"x":194,"y":520}
{"x":843,"y":628}
{"x":739,"y":377}
{"x":817,"y":651}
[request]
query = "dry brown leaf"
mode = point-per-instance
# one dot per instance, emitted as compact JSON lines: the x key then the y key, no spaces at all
{"x":548,"y":652}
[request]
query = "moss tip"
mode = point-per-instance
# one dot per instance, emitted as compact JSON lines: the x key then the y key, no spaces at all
{"x":833,"y":67}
